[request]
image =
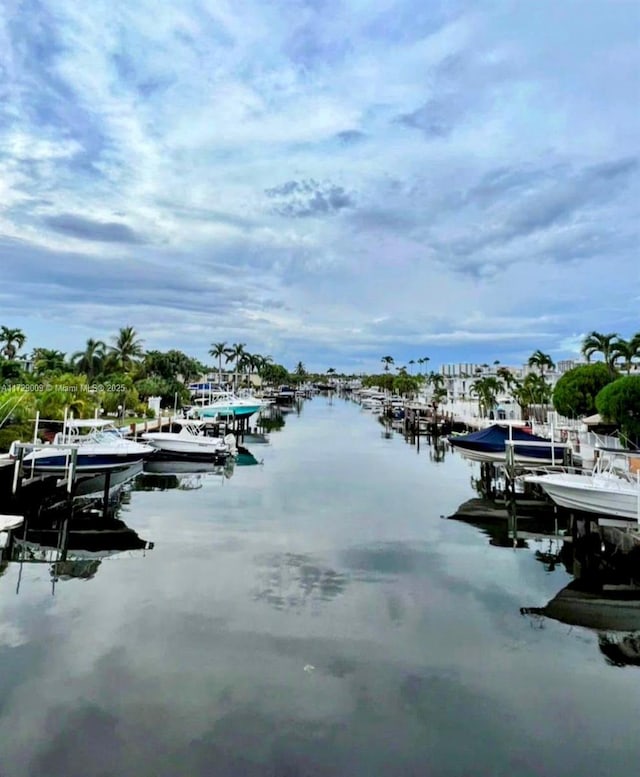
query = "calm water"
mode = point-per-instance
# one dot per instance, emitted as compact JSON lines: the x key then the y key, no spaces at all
{"x":312,"y":614}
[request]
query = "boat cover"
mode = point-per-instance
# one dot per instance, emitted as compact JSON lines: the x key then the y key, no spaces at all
{"x":493,"y":439}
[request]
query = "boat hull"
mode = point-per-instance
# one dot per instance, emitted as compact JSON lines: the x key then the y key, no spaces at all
{"x":542,"y":456}
{"x":86,"y":462}
{"x":239,"y":411}
{"x":184,"y":447}
{"x":603,"y":495}
{"x":491,"y":444}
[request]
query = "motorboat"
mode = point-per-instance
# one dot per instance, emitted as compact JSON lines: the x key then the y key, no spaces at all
{"x":96,"y":444}
{"x":191,"y":440}
{"x":611,"y":488}
{"x":491,"y":444}
{"x":225,"y":405}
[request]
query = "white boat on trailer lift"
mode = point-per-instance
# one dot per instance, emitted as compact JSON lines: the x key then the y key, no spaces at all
{"x":191,"y":440}
{"x":612,"y":488}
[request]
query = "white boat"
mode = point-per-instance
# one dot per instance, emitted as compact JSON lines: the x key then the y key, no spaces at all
{"x":98,"y":444}
{"x":612,"y":488}
{"x":191,"y":440}
{"x":372,"y":399}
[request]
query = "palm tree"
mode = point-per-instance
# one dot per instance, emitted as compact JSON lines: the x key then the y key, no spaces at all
{"x":13,"y":339}
{"x":387,"y":361}
{"x":627,"y":350}
{"x":595,"y":342}
{"x":411,"y":361}
{"x":505,"y":375}
{"x":127,"y":348}
{"x":48,"y":360}
{"x":487,"y":390}
{"x":234,"y":354}
{"x":435,"y":379}
{"x":90,"y":360}
{"x":218,"y":350}
{"x":300,"y":370}
{"x":438,"y":394}
{"x":245,"y":363}
{"x":331,"y":371}
{"x":534,"y":390}
{"x":541,"y":360}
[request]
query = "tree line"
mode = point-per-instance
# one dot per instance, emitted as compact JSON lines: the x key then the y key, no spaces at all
{"x":596,"y":386}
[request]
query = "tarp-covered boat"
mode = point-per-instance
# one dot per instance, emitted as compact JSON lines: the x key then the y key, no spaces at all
{"x":491,"y":444}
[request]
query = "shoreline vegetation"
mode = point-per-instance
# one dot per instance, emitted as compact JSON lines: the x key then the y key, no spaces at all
{"x":117,"y":379}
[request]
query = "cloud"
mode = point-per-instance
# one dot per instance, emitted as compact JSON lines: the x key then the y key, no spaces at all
{"x":288,"y":173}
{"x":436,"y":118}
{"x":299,"y":199}
{"x":87,"y":229}
{"x":351,"y":137}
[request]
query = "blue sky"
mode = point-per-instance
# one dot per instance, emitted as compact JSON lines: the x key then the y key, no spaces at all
{"x":327,"y":182}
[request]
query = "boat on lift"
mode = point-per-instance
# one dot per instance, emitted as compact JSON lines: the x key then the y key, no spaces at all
{"x":491,"y":444}
{"x":611,"y":488}
{"x":192,"y":440}
{"x":96,"y":443}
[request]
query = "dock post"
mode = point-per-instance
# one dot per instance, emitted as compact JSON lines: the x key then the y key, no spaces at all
{"x":510,"y":491}
{"x":105,"y":493}
{"x":17,"y":479}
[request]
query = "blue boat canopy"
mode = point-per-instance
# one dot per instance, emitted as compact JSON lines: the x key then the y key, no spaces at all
{"x":494,"y":440}
{"x":497,"y":435}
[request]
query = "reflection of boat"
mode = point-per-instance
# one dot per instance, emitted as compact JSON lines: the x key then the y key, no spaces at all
{"x":609,"y":490}
{"x":93,"y":485}
{"x":244,"y":458}
{"x":182,"y":467}
{"x":613,"y":611}
{"x":491,"y":445}
{"x":164,"y":474}
{"x":192,"y":439}
{"x":608,"y":608}
{"x":98,"y":444}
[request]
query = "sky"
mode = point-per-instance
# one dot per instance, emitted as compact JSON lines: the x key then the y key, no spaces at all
{"x":325,"y":182}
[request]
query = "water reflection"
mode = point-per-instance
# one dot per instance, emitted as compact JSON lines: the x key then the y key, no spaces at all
{"x":46,"y":494}
{"x":293,"y":581}
{"x":163,"y":474}
{"x":600,"y":600}
{"x":271,"y":419}
{"x":244,"y":457}
{"x":73,"y":543}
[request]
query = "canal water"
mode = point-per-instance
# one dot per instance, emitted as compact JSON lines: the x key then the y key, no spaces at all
{"x":311,"y":613}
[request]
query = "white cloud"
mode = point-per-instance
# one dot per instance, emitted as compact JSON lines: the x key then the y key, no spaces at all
{"x":462,"y":143}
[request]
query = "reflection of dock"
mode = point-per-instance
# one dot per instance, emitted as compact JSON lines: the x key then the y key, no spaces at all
{"x":71,"y":533}
{"x":504,"y":528}
{"x":71,"y":547}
